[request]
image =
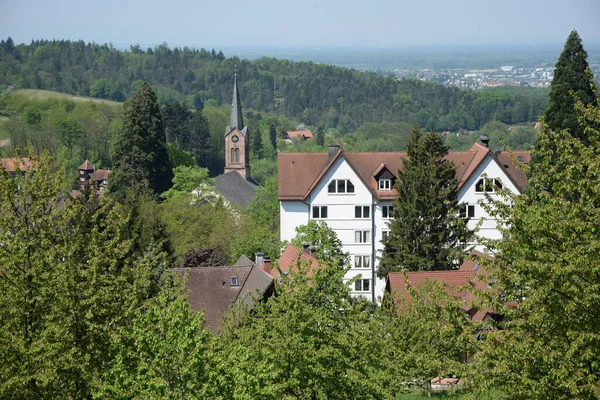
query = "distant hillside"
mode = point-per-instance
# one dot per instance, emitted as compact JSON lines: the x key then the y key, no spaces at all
{"x":315,"y":94}
{"x":47,"y":94}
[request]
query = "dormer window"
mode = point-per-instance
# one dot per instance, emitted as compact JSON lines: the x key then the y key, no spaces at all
{"x":488,"y":185}
{"x":234,"y":281}
{"x":385,"y":184}
{"x":340,"y":186}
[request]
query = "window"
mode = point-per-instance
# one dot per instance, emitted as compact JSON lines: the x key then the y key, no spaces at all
{"x":234,"y":281}
{"x":385,"y":235}
{"x":235,"y":155}
{"x":467,"y":211}
{"x":520,"y":158}
{"x":362,"y":261}
{"x":362,"y":236}
{"x":387,"y":211}
{"x":340,"y":186}
{"x":488,"y":185}
{"x":385,"y":184}
{"x":362,"y":212}
{"x":319,"y":212}
{"x":362,"y":285}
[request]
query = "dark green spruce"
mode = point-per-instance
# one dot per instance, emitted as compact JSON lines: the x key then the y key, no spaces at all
{"x":572,"y":79}
{"x":140,"y":160}
{"x":427,"y":233}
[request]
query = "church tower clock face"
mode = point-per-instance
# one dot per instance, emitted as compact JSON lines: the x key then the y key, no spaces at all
{"x":234,"y":139}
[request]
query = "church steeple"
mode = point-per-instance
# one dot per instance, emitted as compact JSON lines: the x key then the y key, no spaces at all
{"x":237,"y":119}
{"x":237,"y":142}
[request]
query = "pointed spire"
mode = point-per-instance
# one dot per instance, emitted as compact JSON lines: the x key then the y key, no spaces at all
{"x":236,"y":120}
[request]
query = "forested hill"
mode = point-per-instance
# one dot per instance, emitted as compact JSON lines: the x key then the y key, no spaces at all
{"x":316,"y":94}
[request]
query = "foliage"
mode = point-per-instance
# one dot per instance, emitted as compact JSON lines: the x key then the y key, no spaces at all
{"x":186,"y":179}
{"x":204,"y":257}
{"x":179,"y":157}
{"x":264,"y":207}
{"x":324,"y":239}
{"x":549,"y":264}
{"x":70,"y":284}
{"x":572,"y":82}
{"x":140,"y":157}
{"x":426,"y":232}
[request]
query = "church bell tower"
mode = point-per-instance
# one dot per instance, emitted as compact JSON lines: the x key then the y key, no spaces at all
{"x":237,"y":143}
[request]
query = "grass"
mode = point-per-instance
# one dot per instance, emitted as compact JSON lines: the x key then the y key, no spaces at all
{"x":47,"y":94}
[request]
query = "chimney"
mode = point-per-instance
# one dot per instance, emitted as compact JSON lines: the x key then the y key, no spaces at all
{"x":333,"y":149}
{"x":305,"y":246}
{"x":259,"y":259}
{"x":312,"y":250}
{"x":267,"y":264}
{"x":485,"y":139}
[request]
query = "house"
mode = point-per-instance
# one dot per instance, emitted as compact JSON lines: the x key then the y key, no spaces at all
{"x":235,"y":184}
{"x":291,"y":256}
{"x":353,"y":194}
{"x":88,"y":174}
{"x":454,"y":282}
{"x":299,"y":135}
{"x":12,"y":165}
{"x":214,"y":290}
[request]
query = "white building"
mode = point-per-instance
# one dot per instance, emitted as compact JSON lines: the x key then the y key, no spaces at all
{"x":353,"y":194}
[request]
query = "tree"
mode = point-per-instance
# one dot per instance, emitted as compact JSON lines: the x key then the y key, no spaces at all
{"x":204,"y":257}
{"x":549,"y":265}
{"x":176,"y":118}
{"x":141,"y":161}
{"x":325,"y":240}
{"x":273,"y":135}
{"x":426,"y":232}
{"x":572,"y":81}
{"x":200,"y":141}
{"x":256,"y":145}
{"x":186,"y":179}
{"x":320,"y":136}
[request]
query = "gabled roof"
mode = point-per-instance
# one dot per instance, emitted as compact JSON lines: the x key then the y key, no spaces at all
{"x":305,"y":134}
{"x":236,"y":189}
{"x":12,"y":164}
{"x":299,"y":173}
{"x":210,"y":289}
{"x":100,"y":174}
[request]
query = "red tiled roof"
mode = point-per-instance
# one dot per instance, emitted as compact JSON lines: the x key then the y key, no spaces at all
{"x":300,"y":134}
{"x":290,"y":257}
{"x":11,"y":164}
{"x":299,"y":173}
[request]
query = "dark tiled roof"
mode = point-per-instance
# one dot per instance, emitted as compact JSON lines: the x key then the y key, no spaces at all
{"x":236,"y":189}
{"x":236,"y":121}
{"x":100,"y":174}
{"x":210,"y":289}
{"x":299,"y":173}
{"x":243,"y":261}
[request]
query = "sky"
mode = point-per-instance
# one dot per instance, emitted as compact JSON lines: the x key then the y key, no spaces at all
{"x":343,"y":23}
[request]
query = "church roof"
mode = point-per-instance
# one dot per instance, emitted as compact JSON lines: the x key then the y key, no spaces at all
{"x":236,"y":189}
{"x":236,"y":121}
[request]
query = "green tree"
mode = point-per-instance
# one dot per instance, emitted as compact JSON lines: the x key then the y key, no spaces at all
{"x":273,"y":135}
{"x":200,"y":145}
{"x":320,"y":136}
{"x":140,"y":158}
{"x":180,"y":157}
{"x":572,"y":80}
{"x":186,"y":179}
{"x":69,"y":131}
{"x":426,"y":232}
{"x":328,"y":245}
{"x":549,"y":264}
{"x":256,"y":145}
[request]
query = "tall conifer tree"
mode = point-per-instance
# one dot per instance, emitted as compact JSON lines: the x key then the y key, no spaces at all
{"x":140,"y":157}
{"x":427,"y":232}
{"x":200,"y":145}
{"x":572,"y":78}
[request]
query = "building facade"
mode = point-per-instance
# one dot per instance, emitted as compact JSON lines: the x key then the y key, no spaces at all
{"x":353,"y":194}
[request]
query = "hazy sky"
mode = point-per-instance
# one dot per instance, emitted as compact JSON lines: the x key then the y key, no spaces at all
{"x":214,"y":23}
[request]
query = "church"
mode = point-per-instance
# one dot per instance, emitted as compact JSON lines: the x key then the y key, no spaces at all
{"x":235,"y":184}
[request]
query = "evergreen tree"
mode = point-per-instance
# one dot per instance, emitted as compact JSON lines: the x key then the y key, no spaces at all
{"x":176,"y":118}
{"x":140,"y":157}
{"x":427,"y":232}
{"x":320,"y":136}
{"x":273,"y":135}
{"x":200,"y":145}
{"x":256,"y":146}
{"x":572,"y":77}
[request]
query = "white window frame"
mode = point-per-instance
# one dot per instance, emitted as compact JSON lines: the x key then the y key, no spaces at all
{"x":387,"y":210}
{"x":361,"y":211}
{"x":364,"y":236}
{"x":360,"y":284}
{"x":320,"y":212}
{"x":359,"y":261}
{"x":385,"y":184}
{"x":489,"y":185}
{"x":336,"y":186}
